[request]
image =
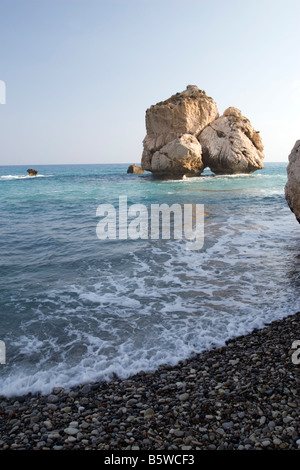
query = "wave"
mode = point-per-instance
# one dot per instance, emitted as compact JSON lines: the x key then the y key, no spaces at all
{"x":278,"y":175}
{"x":205,"y":177}
{"x":21,"y":177}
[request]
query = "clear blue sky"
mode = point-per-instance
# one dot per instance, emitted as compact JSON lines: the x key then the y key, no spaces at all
{"x":80,"y":74}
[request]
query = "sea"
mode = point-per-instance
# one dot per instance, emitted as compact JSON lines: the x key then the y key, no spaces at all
{"x":78,"y":308}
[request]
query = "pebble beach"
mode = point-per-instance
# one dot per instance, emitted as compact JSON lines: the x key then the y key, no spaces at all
{"x":242,"y":396}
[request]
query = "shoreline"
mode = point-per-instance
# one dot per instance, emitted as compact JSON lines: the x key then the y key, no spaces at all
{"x":241,"y":396}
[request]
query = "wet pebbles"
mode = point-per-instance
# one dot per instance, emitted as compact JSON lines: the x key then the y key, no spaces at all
{"x":242,"y":396}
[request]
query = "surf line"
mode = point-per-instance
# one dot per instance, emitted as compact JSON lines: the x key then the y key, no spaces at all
{"x":160,"y":221}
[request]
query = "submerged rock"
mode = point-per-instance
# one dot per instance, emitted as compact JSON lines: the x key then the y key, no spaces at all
{"x":292,"y":187}
{"x":185,"y":113}
{"x":135,"y":169}
{"x":231,"y":145}
{"x":32,"y":172}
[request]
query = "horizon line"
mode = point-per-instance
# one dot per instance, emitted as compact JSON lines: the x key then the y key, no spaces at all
{"x":115,"y":163}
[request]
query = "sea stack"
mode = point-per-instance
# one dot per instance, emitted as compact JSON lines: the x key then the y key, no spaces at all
{"x":185,"y":135}
{"x":231,"y":145}
{"x":32,"y":172}
{"x":292,"y":187}
{"x":171,"y":147}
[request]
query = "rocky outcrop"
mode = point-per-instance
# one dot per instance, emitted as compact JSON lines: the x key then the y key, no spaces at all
{"x":135,"y":169}
{"x":32,"y":172}
{"x":181,"y":156}
{"x":292,"y":187}
{"x":185,"y":135}
{"x":231,"y":145}
{"x":184,"y":114}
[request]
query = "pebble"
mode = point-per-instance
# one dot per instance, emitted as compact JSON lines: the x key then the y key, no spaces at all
{"x":241,"y":396}
{"x":184,"y":397}
{"x":71,"y":431}
{"x":53,"y":398}
{"x":178,"y":433}
{"x":227,"y":425}
{"x":73,"y":424}
{"x":66,"y":409}
{"x":48,"y":425}
{"x":149,"y":413}
{"x":266,"y":443}
{"x":220,"y":431}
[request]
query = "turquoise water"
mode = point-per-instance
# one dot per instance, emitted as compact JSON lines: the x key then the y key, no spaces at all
{"x":74,"y":308}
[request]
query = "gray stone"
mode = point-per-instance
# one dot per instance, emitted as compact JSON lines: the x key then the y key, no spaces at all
{"x":53,"y":398}
{"x":184,"y":397}
{"x":227,"y":425}
{"x":71,"y":431}
{"x":149,"y":413}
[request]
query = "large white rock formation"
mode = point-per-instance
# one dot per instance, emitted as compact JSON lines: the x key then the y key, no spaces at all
{"x":231,"y":145}
{"x":177,"y":120}
{"x":185,"y":135}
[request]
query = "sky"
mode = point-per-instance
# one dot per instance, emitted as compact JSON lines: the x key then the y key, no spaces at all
{"x":80,"y":74}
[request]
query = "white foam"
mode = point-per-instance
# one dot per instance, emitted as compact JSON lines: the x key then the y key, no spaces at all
{"x":21,"y":177}
{"x":108,"y":298}
{"x":206,"y":177}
